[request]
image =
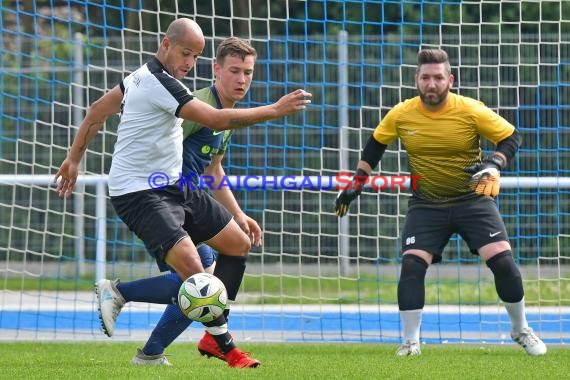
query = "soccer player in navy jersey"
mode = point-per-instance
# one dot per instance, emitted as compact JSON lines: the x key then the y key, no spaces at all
{"x":441,"y":132}
{"x":169,"y":219}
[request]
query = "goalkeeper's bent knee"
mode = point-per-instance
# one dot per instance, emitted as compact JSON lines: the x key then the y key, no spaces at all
{"x":508,"y":279}
{"x":411,"y":288}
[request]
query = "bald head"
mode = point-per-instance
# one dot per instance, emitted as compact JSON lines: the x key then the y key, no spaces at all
{"x":181,"y":47}
{"x":184,"y":29}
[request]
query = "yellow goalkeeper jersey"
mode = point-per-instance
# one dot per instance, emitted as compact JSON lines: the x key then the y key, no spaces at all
{"x":441,"y":144}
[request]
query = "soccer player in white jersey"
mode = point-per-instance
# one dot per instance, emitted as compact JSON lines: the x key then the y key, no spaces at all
{"x":441,"y":132}
{"x":203,"y":151}
{"x":169,"y":219}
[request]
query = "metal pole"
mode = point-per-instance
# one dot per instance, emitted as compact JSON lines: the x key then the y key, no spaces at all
{"x":79,"y":194}
{"x":101,"y":217}
{"x":344,"y":243}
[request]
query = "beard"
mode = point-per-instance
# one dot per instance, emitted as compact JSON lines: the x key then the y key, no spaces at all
{"x":433,"y":98}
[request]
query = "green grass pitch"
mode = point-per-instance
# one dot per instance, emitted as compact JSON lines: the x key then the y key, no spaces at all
{"x":111,"y":360}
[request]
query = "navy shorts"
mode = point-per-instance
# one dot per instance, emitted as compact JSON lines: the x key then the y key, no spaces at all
{"x":430,"y":226}
{"x":161,"y":218}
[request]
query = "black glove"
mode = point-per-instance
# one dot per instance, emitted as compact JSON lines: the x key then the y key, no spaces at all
{"x":345,"y":197}
{"x":486,"y":176}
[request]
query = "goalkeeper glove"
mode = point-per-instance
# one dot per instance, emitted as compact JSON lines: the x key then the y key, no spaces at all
{"x":486,"y":177}
{"x":346,"y":196}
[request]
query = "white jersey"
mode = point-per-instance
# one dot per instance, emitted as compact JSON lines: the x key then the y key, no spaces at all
{"x":149,"y":135}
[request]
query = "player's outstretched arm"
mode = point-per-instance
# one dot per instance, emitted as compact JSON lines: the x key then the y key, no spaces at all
{"x":100,"y":110}
{"x":232,"y":118}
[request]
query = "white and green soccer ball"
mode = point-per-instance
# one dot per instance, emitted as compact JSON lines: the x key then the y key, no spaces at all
{"x":202,"y":297}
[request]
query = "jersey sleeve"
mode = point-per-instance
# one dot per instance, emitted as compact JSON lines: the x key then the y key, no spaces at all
{"x":491,"y":125}
{"x":385,"y":133}
{"x":169,"y":94}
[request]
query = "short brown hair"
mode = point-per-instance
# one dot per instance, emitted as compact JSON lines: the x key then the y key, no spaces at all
{"x":234,"y":46}
{"x":433,"y":56}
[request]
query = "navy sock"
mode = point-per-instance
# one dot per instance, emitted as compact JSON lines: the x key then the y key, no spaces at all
{"x":161,"y":289}
{"x":225,"y":342}
{"x":172,"y":323}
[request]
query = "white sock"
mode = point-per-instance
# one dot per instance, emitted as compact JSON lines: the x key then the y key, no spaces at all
{"x":517,"y":315}
{"x":411,"y":321}
{"x":218,"y":330}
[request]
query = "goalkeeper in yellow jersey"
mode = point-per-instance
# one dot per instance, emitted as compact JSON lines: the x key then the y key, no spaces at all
{"x":441,"y":133}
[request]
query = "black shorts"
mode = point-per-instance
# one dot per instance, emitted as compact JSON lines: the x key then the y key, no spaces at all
{"x":161,"y":218}
{"x":429,"y":227}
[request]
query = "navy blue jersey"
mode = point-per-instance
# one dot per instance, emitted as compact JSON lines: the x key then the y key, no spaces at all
{"x":201,"y":143}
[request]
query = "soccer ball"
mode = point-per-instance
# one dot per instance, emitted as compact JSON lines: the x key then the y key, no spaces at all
{"x":202,"y":297}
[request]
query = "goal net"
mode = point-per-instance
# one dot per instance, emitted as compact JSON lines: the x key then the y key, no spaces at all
{"x":315,"y":278}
